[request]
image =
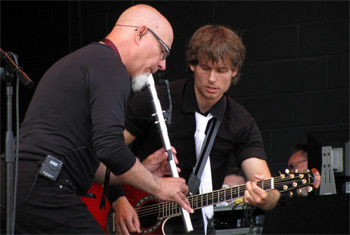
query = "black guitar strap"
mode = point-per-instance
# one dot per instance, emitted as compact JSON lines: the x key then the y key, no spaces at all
{"x":194,"y":181}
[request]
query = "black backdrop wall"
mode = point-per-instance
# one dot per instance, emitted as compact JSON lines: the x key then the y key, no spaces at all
{"x":295,"y":79}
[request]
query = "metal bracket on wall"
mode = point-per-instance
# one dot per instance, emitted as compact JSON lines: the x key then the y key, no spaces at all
{"x":327,"y":173}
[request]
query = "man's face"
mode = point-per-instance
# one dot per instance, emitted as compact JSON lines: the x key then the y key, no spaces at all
{"x":298,"y":162}
{"x":150,"y":56}
{"x":211,"y":81}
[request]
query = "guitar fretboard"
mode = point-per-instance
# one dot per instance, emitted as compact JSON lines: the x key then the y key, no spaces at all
{"x":201,"y":200}
{"x":150,"y":208}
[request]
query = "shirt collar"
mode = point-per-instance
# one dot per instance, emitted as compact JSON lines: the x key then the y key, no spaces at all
{"x":111,"y":44}
{"x":190,"y":104}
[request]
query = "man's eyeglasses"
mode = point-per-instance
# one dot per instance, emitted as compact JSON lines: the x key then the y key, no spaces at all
{"x":292,"y":165}
{"x":166,"y":51}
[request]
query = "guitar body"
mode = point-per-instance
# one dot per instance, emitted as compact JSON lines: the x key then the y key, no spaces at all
{"x":150,"y":223}
{"x":93,"y":205}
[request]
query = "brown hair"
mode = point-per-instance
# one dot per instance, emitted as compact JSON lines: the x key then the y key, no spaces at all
{"x":216,"y":43}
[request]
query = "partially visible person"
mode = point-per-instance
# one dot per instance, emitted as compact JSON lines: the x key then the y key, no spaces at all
{"x":76,"y":118}
{"x":234,"y":176}
{"x":298,"y":162}
{"x":215,"y":55}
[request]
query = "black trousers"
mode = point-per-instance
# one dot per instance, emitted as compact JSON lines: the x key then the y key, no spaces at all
{"x":46,"y":207}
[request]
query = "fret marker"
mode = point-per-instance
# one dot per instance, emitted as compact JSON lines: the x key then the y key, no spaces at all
{"x":272,"y":183}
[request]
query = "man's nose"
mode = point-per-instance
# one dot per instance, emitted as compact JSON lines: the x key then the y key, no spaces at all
{"x":212,"y":76}
{"x":162,"y":65}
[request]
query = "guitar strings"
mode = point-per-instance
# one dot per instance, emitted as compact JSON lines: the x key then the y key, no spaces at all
{"x":171,"y":208}
{"x":175,"y":208}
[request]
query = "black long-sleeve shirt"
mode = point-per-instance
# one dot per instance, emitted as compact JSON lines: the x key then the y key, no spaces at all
{"x":77,"y":115}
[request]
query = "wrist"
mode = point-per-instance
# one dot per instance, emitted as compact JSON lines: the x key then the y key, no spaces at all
{"x":273,"y":199}
{"x":119,"y":200}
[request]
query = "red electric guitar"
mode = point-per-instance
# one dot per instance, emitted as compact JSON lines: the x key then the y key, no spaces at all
{"x":154,"y":213}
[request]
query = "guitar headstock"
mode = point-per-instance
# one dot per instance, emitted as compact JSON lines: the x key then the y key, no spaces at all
{"x":301,"y":181}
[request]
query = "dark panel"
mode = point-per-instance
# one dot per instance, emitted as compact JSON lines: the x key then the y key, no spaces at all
{"x":284,"y":140}
{"x":266,"y":136}
{"x":337,"y":10}
{"x":324,"y":38}
{"x":328,"y":107}
{"x":176,"y":13}
{"x":242,"y":14}
{"x":295,"y":12}
{"x":198,"y":13}
{"x":338,"y":71}
{"x":299,"y":75}
{"x":274,"y":111}
{"x":309,"y":215}
{"x":255,"y":81}
{"x":271,"y":43}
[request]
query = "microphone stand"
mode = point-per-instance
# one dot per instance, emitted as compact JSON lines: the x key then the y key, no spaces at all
{"x":9,"y":139}
{"x":166,"y":142}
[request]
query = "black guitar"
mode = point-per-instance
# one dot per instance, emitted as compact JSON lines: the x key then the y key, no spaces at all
{"x":153,"y":212}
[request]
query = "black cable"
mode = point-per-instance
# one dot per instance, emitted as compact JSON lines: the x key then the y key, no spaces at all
{"x":17,"y":147}
{"x":168,"y":112}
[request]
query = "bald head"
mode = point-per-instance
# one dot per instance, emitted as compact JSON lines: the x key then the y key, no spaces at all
{"x":140,"y":34}
{"x":142,"y":14}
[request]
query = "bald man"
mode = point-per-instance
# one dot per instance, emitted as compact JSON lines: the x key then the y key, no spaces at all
{"x":76,"y":120}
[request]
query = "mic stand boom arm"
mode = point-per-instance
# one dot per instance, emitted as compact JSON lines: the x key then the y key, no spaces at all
{"x":166,"y":142}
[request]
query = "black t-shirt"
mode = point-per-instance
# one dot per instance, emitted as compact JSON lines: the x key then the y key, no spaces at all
{"x":77,"y":114}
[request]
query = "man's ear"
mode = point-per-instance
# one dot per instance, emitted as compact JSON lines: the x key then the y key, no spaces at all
{"x":234,"y":73}
{"x":192,"y":67}
{"x":140,"y":31}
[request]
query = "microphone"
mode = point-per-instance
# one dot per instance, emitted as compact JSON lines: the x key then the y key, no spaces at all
{"x":163,"y":131}
{"x":23,"y":77}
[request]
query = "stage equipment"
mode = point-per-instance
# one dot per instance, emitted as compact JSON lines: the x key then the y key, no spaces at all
{"x":329,"y":150}
{"x":10,"y":71}
{"x":163,"y":131}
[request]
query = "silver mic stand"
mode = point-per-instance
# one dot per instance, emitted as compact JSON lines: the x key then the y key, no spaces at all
{"x":166,"y":142}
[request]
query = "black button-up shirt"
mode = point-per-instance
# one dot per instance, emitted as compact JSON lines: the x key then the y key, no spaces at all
{"x":238,"y":135}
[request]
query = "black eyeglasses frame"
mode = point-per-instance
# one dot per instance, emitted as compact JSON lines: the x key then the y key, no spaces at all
{"x":165,"y":46}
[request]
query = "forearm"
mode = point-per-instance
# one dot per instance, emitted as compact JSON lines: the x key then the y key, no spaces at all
{"x":100,"y":176}
{"x":139,"y":177}
{"x":256,"y":169}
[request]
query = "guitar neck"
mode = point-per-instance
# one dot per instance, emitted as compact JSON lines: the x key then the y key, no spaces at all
{"x":221,"y":195}
{"x":201,"y":200}
{"x":281,"y":183}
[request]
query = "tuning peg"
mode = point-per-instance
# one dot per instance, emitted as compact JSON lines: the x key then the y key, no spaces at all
{"x":309,"y":189}
{"x":296,"y":171}
{"x":299,"y":191}
{"x":287,"y":171}
{"x":291,"y":194}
